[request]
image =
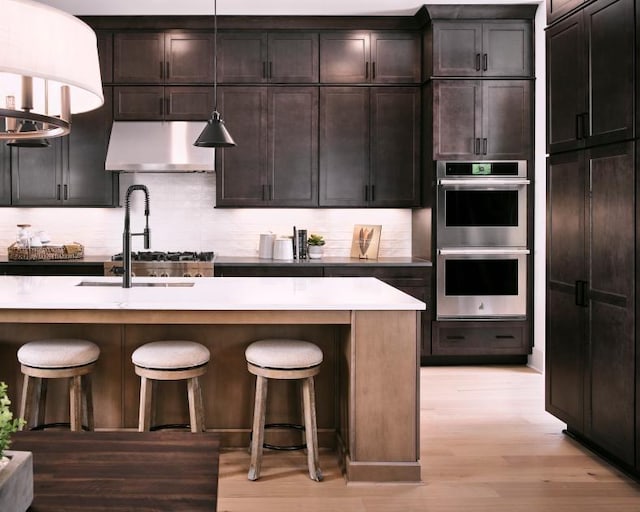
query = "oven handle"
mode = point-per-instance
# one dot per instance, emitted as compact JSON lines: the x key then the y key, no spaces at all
{"x":484,"y":182}
{"x":484,"y":250}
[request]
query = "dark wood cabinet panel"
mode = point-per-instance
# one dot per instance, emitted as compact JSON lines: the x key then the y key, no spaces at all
{"x":470,"y":338}
{"x":344,"y":146}
{"x":490,"y":119}
{"x":150,"y":103}
{"x":591,"y":295}
{"x":5,"y":175}
{"x":158,"y":57}
{"x":70,"y":172}
{"x":558,"y":8}
{"x":261,"y":57}
{"x":586,"y":107}
{"x":275,"y":130}
{"x":105,"y":55}
{"x":491,"y":48}
{"x":229,"y":270}
{"x":351,"y":57}
{"x":395,"y":147}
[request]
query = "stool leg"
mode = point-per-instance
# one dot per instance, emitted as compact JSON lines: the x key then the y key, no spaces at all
{"x":87,"y":396}
{"x":309,"y":399}
{"x":27,"y":399}
{"x":41,"y":400}
{"x":75,"y":401}
{"x":146,"y":396}
{"x":259,"y":411}
{"x":196,"y":408}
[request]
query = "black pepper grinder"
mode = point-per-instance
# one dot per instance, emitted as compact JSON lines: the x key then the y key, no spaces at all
{"x":302,"y":244}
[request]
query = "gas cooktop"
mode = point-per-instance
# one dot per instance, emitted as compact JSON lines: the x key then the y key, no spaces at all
{"x":167,"y":256}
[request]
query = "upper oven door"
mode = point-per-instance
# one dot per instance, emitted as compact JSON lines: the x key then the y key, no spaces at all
{"x":482,"y":213}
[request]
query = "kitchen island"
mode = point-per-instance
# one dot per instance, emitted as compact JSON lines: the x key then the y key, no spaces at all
{"x":367,"y":390}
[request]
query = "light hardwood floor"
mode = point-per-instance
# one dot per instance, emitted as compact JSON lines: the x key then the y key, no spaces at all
{"x":487,"y":445}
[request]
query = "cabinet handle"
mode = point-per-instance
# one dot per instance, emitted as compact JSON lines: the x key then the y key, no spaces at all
{"x":456,"y":338}
{"x":373,"y":192}
{"x":167,"y":106}
{"x":366,"y":192}
{"x":477,"y":62}
{"x":366,"y":69}
{"x":58,"y":193}
{"x":504,"y":337}
{"x":485,"y":62}
{"x":586,"y":132}
{"x":476,"y":148}
{"x":161,"y":69}
{"x":484,"y":146}
{"x":66,"y":192}
{"x":373,"y":71}
{"x":581,"y":294}
{"x":270,"y":188}
{"x":166,"y":73}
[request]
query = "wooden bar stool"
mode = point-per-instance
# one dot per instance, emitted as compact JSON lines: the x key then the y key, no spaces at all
{"x":71,"y":359}
{"x":284,"y":359}
{"x":171,"y":360}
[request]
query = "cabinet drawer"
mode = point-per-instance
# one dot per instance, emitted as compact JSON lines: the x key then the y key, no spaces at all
{"x":267,"y":271}
{"x":480,"y":338}
{"x":396,"y":276}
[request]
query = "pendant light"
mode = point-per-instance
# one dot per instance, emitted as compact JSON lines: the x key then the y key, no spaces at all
{"x":215,"y":134}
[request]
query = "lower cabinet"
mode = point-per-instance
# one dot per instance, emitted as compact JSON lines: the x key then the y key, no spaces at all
{"x":591,"y":356}
{"x":43,"y":268}
{"x":480,"y":338}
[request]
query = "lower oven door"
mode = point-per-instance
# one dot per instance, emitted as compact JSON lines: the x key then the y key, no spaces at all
{"x":481,"y":283}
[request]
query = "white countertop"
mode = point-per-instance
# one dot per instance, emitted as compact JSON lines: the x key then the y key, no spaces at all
{"x":206,"y":294}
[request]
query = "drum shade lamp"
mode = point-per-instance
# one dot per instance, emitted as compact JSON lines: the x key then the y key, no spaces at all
{"x":215,"y":134}
{"x":49,"y":69}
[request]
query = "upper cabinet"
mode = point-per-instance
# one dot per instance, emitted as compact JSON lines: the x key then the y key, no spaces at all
{"x":481,"y":48}
{"x":158,"y":103}
{"x":264,"y":57}
{"x":558,"y":8}
{"x":105,"y":55}
{"x":351,"y":57}
{"x":163,"y":57}
{"x":5,"y":175}
{"x":590,"y":74}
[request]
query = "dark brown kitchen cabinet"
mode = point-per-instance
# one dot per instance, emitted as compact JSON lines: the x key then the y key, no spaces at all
{"x":105,"y":55}
{"x":263,"y":57}
{"x":287,"y":270}
{"x":275,"y":162}
{"x":480,"y":338}
{"x":351,"y":57}
{"x":590,"y":303}
{"x":5,"y":175}
{"x":501,"y":48}
{"x":590,"y":75}
{"x":486,"y":119}
{"x":180,"y":57}
{"x":157,"y":102}
{"x":70,"y":172}
{"x":370,"y":147}
{"x":556,"y":9}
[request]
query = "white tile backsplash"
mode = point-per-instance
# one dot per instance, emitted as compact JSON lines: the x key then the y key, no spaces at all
{"x":183,"y":217}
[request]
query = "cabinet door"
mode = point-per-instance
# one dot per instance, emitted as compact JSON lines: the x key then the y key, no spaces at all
{"x":344,"y":146}
{"x":5,"y":175}
{"x":457,"y":119}
{"x":242,"y":57}
{"x":566,"y":93}
{"x":86,"y":183}
{"x":609,"y":29}
{"x":293,"y":57}
{"x":611,"y":256}
{"x":188,"y":103}
{"x":457,"y":49}
{"x":292,"y":150}
{"x":558,"y":8}
{"x":506,"y":49}
{"x":135,"y":103}
{"x":565,"y":327}
{"x":344,"y":57}
{"x":36,"y":174}
{"x":506,"y":119}
{"x":105,"y":55}
{"x":241,"y":178}
{"x":395,"y":57}
{"x":395,"y":147}
{"x":189,"y":57}
{"x":138,"y":57}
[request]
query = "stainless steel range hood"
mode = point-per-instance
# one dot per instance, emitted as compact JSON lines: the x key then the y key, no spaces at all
{"x":157,"y":146}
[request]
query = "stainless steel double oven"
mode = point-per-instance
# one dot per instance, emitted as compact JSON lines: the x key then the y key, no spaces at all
{"x":481,"y":237}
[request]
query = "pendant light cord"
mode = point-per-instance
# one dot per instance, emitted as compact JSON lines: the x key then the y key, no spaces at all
{"x":215,"y":55}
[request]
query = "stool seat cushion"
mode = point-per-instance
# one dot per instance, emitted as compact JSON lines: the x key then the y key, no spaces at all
{"x":171,"y":355}
{"x":283,"y":354}
{"x":58,"y":353}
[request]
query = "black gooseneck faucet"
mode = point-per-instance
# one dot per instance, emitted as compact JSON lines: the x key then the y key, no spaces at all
{"x":126,"y":236}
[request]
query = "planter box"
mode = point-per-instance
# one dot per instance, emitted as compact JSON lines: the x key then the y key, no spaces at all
{"x":16,"y":482}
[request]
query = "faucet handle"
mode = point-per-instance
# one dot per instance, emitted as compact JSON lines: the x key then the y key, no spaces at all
{"x":147,"y":238}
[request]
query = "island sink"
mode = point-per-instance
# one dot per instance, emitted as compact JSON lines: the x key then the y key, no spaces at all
{"x":171,"y":284}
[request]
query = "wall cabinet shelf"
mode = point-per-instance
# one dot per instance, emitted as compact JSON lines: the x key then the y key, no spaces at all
{"x":590,"y":71}
{"x":268,"y":57}
{"x":351,"y":57}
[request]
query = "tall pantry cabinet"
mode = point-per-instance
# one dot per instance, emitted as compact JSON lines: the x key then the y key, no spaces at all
{"x":592,"y":375}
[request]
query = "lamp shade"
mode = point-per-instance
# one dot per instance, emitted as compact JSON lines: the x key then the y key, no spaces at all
{"x":215,"y":134}
{"x":54,"y":49}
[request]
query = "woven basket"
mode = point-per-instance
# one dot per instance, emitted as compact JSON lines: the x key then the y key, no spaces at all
{"x":48,"y":252}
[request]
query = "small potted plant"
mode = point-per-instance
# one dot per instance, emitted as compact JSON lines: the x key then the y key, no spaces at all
{"x":16,"y":468}
{"x":315,"y":243}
